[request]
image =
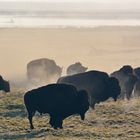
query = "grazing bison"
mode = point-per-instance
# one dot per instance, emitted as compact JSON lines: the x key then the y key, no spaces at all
{"x":4,"y":85}
{"x":76,"y":68}
{"x":43,"y":71}
{"x":98,"y":85}
{"x":127,"y":80}
{"x":58,"y":100}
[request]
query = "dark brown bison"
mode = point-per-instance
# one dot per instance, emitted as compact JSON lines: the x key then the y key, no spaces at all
{"x":98,"y":84}
{"x":127,"y":80}
{"x":58,"y":100}
{"x":4,"y":85}
{"x":76,"y":68}
{"x":136,"y":91}
{"x":43,"y":71}
{"x":137,"y":72}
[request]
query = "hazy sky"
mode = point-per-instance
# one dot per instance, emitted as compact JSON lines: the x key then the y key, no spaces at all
{"x":107,"y":4}
{"x":70,"y":4}
{"x":127,"y":2}
{"x":102,"y":48}
{"x":18,"y":47}
{"x":110,"y":1}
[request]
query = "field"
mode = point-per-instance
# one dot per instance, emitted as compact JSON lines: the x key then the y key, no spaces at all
{"x":109,"y":121}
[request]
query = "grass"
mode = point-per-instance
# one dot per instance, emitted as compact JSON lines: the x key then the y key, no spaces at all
{"x":109,"y":121}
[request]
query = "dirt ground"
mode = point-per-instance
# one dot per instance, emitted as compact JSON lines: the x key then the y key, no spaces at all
{"x":109,"y":121}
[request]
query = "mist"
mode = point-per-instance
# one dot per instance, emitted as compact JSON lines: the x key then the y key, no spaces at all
{"x":105,"y":48}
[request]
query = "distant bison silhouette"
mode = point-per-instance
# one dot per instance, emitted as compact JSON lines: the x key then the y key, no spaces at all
{"x":127,"y":80}
{"x":58,"y":100}
{"x":43,"y":71}
{"x":76,"y":68}
{"x":98,"y":85}
{"x":4,"y":85}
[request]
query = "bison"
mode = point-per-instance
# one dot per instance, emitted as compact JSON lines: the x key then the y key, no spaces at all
{"x":58,"y":100}
{"x":136,"y":91}
{"x":43,"y":71}
{"x":127,"y":80}
{"x":4,"y":85}
{"x":98,"y":85}
{"x":76,"y":68}
{"x":137,"y":72}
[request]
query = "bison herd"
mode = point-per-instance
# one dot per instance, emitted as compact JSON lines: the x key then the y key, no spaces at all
{"x":76,"y":92}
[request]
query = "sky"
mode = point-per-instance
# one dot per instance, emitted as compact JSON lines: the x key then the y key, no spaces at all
{"x":99,"y":1}
{"x":95,"y":3}
{"x":70,"y":4}
{"x":78,"y":0}
{"x":19,"y":47}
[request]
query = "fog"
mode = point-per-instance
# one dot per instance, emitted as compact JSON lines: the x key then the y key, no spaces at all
{"x":102,"y":48}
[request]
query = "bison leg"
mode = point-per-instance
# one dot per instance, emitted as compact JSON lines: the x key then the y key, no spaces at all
{"x":56,"y":122}
{"x":92,"y":105}
{"x":30,"y":121}
{"x":128,"y":96}
{"x":51,"y":122}
{"x":59,"y":123}
{"x":30,"y":116}
{"x":82,"y":116}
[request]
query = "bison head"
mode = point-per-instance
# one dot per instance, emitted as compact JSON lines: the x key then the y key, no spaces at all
{"x":127,"y":69}
{"x":114,"y":88}
{"x":6,"y":86}
{"x":82,"y":103}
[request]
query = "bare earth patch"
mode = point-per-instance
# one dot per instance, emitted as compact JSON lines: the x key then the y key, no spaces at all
{"x":109,"y":121}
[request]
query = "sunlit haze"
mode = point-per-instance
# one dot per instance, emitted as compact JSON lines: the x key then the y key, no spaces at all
{"x":64,"y":30}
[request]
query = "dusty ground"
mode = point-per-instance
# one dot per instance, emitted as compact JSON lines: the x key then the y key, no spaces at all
{"x":109,"y":121}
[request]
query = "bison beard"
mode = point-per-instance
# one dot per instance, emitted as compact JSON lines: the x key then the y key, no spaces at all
{"x":58,"y":100}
